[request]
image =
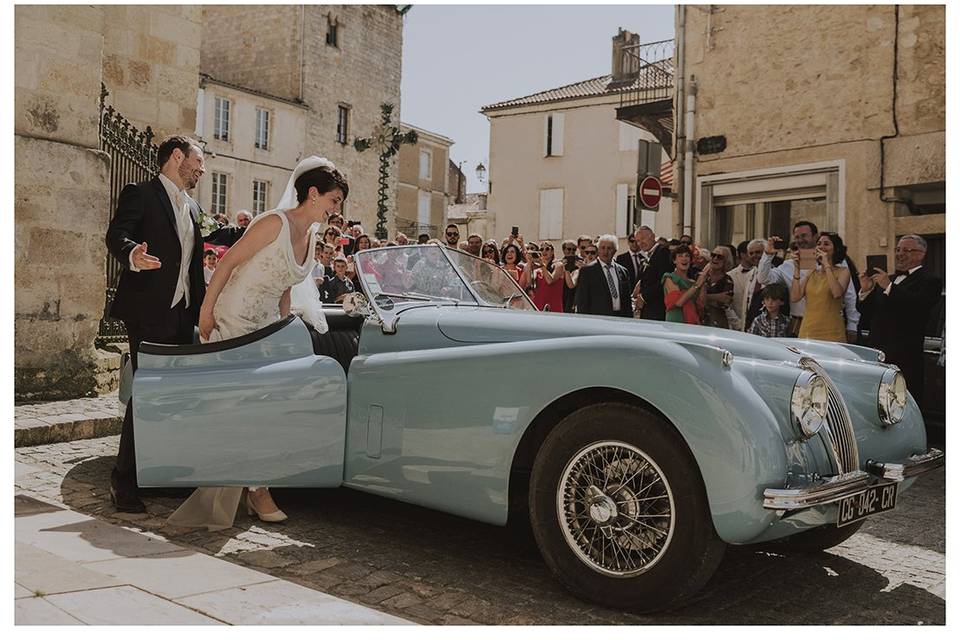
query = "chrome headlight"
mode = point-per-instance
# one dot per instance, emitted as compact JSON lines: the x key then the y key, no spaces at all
{"x":892,"y":397}
{"x":809,"y":403}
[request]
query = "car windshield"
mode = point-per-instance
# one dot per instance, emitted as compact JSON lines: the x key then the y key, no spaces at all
{"x":416,"y":273}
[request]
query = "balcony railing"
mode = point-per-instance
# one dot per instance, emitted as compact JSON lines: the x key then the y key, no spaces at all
{"x":650,"y":67}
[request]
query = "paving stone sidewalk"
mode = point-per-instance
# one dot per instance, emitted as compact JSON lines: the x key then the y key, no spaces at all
{"x":71,"y":568}
{"x":66,"y":420}
{"x":434,"y":568}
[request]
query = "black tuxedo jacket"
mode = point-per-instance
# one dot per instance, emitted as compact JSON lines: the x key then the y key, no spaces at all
{"x":897,"y":323}
{"x":225,"y":236}
{"x":145,"y":214}
{"x":651,"y":284}
{"x":593,"y":293}
{"x":626,"y":261}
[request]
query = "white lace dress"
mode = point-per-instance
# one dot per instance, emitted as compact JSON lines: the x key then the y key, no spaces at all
{"x":250,"y":300}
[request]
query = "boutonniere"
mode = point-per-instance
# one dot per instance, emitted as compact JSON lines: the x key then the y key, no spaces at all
{"x":208,"y":224}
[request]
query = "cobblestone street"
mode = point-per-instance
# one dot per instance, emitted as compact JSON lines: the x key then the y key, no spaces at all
{"x":434,"y":568}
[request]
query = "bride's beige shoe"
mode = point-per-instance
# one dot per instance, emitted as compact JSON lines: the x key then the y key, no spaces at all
{"x":274,"y":516}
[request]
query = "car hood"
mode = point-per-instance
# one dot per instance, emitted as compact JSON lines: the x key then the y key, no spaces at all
{"x":486,"y":325}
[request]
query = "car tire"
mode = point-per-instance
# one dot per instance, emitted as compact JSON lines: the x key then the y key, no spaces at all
{"x":642,"y":458}
{"x":815,"y":540}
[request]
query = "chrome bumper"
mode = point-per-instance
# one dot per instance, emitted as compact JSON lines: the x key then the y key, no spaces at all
{"x":841,"y":486}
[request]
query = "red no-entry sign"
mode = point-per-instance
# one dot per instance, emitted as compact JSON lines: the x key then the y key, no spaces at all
{"x":650,"y":192}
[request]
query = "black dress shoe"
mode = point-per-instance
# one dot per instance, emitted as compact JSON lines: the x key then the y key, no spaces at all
{"x":126,"y":501}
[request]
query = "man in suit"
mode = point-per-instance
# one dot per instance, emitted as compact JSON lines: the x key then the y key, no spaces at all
{"x":648,"y":292}
{"x":228,"y":235}
{"x":603,"y":286}
{"x":632,"y":260}
{"x":154,"y":233}
{"x":897,"y":309}
{"x":745,"y":286}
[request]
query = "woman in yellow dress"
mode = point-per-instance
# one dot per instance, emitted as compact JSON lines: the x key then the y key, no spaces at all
{"x":823,"y":288}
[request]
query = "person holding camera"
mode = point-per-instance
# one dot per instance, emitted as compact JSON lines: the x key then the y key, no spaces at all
{"x":683,"y":298}
{"x":546,"y":278}
{"x":571,"y":267}
{"x":823,"y":288}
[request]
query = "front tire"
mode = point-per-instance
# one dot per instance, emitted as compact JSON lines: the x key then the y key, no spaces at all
{"x":619,"y":511}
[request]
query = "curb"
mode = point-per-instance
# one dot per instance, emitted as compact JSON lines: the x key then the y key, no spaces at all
{"x":66,"y":420}
{"x":40,"y":431}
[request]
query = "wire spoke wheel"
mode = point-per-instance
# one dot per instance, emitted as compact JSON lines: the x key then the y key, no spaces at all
{"x":616,"y":508}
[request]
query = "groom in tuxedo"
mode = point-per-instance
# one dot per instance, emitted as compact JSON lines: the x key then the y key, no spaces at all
{"x":155,"y":235}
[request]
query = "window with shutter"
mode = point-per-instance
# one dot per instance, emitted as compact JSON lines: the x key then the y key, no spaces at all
{"x":551,"y":214}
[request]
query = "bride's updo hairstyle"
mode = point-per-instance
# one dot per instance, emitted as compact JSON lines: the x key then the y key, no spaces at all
{"x":325,"y":179}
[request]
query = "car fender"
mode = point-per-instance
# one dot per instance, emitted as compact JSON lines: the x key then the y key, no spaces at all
{"x":458,"y":458}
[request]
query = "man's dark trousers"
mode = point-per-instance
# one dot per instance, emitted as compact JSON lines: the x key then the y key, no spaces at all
{"x":177,"y":328}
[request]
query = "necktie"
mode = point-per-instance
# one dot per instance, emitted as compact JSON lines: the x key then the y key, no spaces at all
{"x":610,"y":282}
{"x":638,"y":259}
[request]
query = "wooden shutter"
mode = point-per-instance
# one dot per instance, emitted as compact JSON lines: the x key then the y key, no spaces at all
{"x":551,"y":214}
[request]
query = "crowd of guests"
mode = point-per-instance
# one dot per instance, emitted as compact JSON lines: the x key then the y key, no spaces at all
{"x":808,"y":288}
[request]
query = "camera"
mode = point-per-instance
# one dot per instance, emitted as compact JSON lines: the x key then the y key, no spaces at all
{"x":570,"y":263}
{"x":515,"y":231}
{"x":780,"y":244}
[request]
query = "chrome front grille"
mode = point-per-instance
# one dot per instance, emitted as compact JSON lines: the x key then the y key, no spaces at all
{"x":838,"y":432}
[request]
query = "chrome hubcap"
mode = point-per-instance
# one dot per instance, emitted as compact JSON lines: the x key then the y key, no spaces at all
{"x":616,"y":508}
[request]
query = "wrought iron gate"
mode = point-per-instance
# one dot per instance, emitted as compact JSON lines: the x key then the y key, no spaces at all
{"x":133,"y":158}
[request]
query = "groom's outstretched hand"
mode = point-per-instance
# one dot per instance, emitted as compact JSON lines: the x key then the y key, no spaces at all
{"x":143,"y":260}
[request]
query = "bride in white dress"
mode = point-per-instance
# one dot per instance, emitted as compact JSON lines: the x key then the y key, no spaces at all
{"x":250,"y":289}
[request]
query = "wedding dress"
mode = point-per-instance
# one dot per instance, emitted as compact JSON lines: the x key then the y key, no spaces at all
{"x":250,"y":300}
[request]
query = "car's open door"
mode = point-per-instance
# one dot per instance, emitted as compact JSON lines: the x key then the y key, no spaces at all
{"x":261,"y":409}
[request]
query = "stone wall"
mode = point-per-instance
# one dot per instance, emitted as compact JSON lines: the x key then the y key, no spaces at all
{"x":790,"y":85}
{"x":151,"y":58}
{"x":148,"y":57}
{"x":254,"y":46}
{"x":363,"y":72}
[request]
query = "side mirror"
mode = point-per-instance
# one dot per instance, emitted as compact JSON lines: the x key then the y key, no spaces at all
{"x":356,"y":305}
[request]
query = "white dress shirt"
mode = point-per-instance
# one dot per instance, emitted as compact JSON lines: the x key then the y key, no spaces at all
{"x":610,"y":274}
{"x":181,"y":209}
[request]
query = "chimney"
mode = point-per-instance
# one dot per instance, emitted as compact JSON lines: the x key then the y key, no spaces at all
{"x":626,"y":56}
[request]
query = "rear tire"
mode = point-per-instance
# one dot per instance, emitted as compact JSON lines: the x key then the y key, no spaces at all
{"x":619,"y":511}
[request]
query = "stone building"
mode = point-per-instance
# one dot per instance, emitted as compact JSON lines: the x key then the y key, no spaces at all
{"x":424,"y":189}
{"x":471,"y":216}
{"x":254,"y":141}
{"x":562,"y":165}
{"x":340,"y":61}
{"x":148,"y":59}
{"x":834,"y":114}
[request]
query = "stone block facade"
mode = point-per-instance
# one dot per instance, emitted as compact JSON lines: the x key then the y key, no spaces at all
{"x":794,"y":86}
{"x":148,"y":57}
{"x":283,"y":51}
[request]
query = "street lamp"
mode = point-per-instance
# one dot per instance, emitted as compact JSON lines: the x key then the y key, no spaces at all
{"x":481,"y":172}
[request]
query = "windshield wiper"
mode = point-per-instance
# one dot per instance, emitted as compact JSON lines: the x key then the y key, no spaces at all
{"x":417,"y":296}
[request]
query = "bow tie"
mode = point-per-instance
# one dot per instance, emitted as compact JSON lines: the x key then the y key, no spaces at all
{"x":742,"y":270}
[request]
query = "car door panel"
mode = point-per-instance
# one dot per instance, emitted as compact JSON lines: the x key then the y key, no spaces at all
{"x":267,"y":412}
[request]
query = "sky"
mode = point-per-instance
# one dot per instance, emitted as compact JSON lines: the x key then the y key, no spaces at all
{"x":457,"y":59}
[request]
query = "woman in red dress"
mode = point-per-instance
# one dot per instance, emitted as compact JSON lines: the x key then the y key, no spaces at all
{"x":510,"y":259}
{"x":546,"y":276}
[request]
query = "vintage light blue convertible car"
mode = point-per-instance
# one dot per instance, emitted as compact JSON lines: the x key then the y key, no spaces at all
{"x":637,"y":449}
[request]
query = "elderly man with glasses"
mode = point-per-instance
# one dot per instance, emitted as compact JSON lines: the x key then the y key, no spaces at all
{"x":897,"y":307}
